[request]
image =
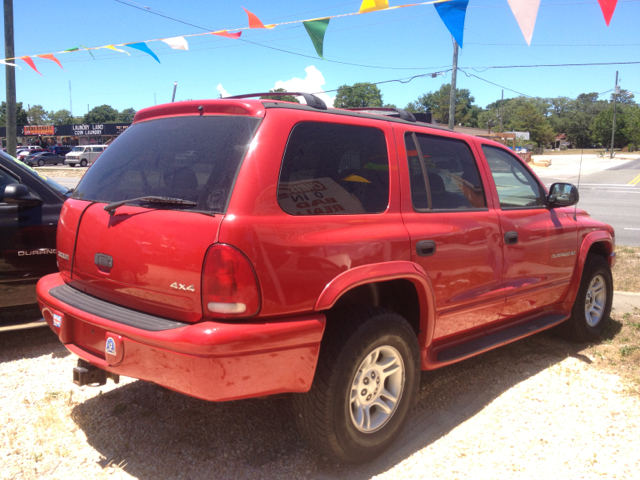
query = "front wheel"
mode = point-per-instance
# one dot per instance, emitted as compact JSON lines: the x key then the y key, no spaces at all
{"x":83,"y":163}
{"x":41,"y":163}
{"x":591,"y":310}
{"x":365,"y":385}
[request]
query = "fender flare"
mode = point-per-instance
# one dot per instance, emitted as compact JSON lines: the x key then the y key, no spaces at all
{"x":380,"y":272}
{"x":589,"y":240}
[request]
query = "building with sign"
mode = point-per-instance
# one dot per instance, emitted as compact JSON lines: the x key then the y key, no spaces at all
{"x":82,"y":134}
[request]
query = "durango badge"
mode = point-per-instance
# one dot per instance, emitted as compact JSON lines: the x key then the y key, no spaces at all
{"x":110,"y":346}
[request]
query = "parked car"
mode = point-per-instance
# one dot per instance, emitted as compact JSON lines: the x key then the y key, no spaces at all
{"x":327,"y":253}
{"x":84,"y":155}
{"x":43,"y":158}
{"x":30,"y":205}
{"x":25,"y":153}
{"x":60,"y":150}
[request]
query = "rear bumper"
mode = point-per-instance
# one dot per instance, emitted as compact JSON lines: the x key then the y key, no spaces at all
{"x":210,"y":360}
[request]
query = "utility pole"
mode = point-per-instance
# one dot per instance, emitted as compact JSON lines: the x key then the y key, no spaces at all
{"x":70,"y":102}
{"x":452,"y":96}
{"x":615,"y":98}
{"x":10,"y":74}
{"x":175,"y":86}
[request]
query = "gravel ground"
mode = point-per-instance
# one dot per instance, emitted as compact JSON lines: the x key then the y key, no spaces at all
{"x":540,"y":407}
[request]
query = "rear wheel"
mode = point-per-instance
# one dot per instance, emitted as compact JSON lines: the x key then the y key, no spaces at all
{"x":41,"y":163}
{"x":365,"y":385}
{"x":83,"y":163}
{"x":591,"y":310}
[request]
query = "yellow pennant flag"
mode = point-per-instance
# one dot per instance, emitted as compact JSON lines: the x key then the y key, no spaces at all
{"x":373,"y":5}
{"x":111,"y":47}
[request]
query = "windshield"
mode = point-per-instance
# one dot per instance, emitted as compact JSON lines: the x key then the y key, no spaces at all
{"x":56,"y":187}
{"x":189,"y":158}
{"x":78,"y":149}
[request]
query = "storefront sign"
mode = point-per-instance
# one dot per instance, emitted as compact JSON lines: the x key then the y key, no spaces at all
{"x":84,"y":130}
{"x":38,"y":130}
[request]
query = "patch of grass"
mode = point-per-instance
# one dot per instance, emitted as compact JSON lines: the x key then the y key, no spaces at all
{"x":627,"y":350}
{"x":625,"y":273}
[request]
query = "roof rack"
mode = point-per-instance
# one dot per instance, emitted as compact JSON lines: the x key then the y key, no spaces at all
{"x":392,"y":112}
{"x":312,"y":100}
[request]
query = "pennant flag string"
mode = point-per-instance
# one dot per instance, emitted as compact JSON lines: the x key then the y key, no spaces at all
{"x":29,"y":62}
{"x":143,"y":48}
{"x":49,"y":56}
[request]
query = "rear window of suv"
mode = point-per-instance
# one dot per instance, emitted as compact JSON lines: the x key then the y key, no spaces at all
{"x":191,"y":158}
{"x":333,"y":169}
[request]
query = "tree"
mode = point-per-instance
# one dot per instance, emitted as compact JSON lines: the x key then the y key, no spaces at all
{"x":102,"y":114}
{"x":61,"y":117}
{"x":632,"y":126}
{"x":528,"y":118}
{"x":438,"y":103}
{"x":284,"y":98}
{"x":580,"y":117}
{"x":603,"y":123}
{"x":625,"y":97}
{"x":37,"y":115}
{"x":126,"y":115}
{"x":358,"y":95}
{"x":21,"y":115}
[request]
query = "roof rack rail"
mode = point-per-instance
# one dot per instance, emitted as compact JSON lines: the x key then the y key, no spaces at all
{"x":392,"y":112}
{"x":312,"y":100}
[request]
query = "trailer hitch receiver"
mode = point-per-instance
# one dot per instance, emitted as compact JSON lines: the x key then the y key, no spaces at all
{"x":87,"y":374}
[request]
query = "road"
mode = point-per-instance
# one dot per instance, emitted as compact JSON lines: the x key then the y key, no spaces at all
{"x":612,"y":196}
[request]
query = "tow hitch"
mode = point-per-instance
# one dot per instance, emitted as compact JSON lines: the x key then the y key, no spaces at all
{"x":87,"y":374}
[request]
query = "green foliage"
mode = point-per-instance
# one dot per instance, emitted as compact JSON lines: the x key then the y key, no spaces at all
{"x":21,"y":115}
{"x":37,"y":115}
{"x":438,"y":102}
{"x":126,"y":115}
{"x":61,"y":117}
{"x":358,"y":95}
{"x":603,"y":123}
{"x":284,"y":98}
{"x":102,"y":114}
{"x":632,"y":126}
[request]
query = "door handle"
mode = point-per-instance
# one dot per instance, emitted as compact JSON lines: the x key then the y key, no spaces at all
{"x":425,"y":248}
{"x":511,"y":238}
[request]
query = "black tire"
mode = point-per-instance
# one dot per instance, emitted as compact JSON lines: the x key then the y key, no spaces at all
{"x":83,"y":163}
{"x":41,"y":163}
{"x":324,"y":414}
{"x":581,"y":327}
{"x":73,"y":164}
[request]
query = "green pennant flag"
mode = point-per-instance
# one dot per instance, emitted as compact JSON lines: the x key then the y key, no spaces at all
{"x":316,"y":30}
{"x":74,"y":49}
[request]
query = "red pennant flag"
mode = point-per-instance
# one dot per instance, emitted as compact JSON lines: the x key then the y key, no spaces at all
{"x":224,"y":33}
{"x":607,"y":7}
{"x":254,"y":22}
{"x":29,"y":62}
{"x":49,"y":56}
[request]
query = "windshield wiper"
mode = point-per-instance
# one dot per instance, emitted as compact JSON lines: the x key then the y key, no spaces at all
{"x":111,"y":208}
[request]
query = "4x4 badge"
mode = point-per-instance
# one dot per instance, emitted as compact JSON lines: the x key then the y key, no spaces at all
{"x":179,"y":286}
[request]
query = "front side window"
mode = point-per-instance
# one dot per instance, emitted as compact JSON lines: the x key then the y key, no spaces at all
{"x":444,"y":174}
{"x":188,"y":158}
{"x":517,"y":188}
{"x":332,"y":169}
{"x":5,"y":179}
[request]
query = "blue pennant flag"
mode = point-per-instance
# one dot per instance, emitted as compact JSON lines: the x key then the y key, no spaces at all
{"x":452,"y":14}
{"x":143,"y":48}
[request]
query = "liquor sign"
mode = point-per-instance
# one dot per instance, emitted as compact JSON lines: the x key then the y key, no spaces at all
{"x":84,"y":130}
{"x":38,"y":130}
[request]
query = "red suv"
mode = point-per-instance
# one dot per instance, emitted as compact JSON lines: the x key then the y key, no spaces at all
{"x":238,"y":248}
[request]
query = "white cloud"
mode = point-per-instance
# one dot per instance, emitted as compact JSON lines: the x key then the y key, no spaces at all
{"x":312,"y":83}
{"x":223,"y":92}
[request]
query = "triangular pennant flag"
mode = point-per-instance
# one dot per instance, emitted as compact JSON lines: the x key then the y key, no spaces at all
{"x":373,"y":5}
{"x":87,"y":49}
{"x":177,"y":43}
{"x":254,"y":22}
{"x":10,"y":64}
{"x":49,"y":56}
{"x":224,"y":33}
{"x":452,"y":14}
{"x":607,"y":7}
{"x":111,"y":47}
{"x":526,"y":12}
{"x":143,"y":48}
{"x":29,"y":62}
{"x":74,"y":49}
{"x":316,"y":30}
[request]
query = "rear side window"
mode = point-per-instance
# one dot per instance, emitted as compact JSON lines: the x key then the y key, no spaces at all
{"x":444,"y":174}
{"x":332,"y":169}
{"x":517,"y":188}
{"x":190,"y":158}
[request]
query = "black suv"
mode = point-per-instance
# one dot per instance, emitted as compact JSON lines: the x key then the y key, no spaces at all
{"x":30,"y":205}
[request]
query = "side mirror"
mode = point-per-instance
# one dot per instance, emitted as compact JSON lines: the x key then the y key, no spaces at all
{"x":563,"y":195}
{"x":19,"y":194}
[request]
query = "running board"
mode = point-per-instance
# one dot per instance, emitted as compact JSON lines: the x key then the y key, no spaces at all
{"x":499,"y":338}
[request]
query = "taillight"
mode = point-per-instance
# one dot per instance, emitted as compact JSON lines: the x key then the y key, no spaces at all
{"x":229,"y":284}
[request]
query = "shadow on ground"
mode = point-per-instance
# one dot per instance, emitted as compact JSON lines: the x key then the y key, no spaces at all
{"x":32,"y":343}
{"x":156,"y":432}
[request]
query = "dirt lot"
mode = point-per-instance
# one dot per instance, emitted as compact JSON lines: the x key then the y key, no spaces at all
{"x":540,"y":407}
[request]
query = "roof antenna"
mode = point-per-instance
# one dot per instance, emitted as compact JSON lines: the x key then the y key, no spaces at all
{"x":575,"y":207}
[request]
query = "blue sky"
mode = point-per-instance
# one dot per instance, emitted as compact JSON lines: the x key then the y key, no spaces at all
{"x":400,"y":43}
